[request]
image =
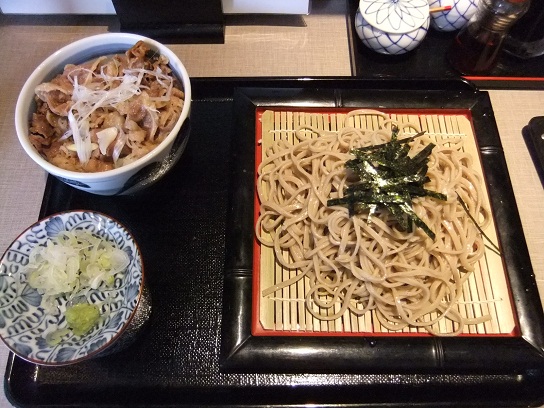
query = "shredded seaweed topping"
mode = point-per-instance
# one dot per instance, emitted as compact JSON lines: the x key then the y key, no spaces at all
{"x":389,"y":178}
{"x":492,"y":246}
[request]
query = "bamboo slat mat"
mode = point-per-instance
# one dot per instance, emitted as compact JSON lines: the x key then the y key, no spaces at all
{"x":284,"y":312}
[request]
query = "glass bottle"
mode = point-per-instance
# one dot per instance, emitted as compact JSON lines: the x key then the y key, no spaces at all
{"x":476,"y":47}
{"x":526,"y":38}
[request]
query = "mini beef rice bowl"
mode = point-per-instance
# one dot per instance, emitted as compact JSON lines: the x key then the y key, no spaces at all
{"x":107,"y":112}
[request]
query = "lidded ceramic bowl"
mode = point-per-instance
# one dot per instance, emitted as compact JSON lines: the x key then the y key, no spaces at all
{"x":392,"y":27}
{"x":454,"y":19}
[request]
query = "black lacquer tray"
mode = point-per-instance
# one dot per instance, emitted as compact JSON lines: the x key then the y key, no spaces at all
{"x":195,"y":231}
{"x":429,"y":61}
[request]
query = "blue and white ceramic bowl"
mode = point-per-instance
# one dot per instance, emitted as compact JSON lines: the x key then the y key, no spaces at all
{"x":454,"y":19}
{"x":24,"y":324}
{"x":132,"y":177}
{"x":392,"y":27}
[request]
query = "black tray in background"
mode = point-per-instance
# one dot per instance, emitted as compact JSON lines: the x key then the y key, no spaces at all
{"x":194,"y":228}
{"x":428,"y":61}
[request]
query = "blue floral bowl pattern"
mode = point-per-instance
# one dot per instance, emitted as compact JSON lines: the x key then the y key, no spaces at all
{"x":454,"y":19}
{"x":24,"y":325}
{"x":389,"y":43}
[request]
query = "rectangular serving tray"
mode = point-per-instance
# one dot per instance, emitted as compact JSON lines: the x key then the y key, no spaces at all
{"x":195,"y":231}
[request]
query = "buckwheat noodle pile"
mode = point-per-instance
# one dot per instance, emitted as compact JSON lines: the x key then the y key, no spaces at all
{"x":367,"y":263}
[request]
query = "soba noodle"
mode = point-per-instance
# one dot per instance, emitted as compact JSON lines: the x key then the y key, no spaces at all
{"x":368,"y":263}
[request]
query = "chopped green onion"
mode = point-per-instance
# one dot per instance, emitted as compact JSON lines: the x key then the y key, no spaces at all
{"x":71,"y":265}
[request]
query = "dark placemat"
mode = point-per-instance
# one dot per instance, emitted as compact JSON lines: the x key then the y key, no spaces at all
{"x":428,"y":61}
{"x":197,"y":349}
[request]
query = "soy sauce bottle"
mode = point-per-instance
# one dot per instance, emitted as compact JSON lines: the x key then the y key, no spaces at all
{"x":476,"y":47}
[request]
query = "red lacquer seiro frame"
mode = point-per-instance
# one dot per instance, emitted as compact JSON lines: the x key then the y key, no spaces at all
{"x":257,"y":329}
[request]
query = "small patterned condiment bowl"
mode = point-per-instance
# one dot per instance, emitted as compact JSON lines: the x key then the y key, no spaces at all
{"x":39,"y":332}
{"x":452,"y":19}
{"x":392,"y":27}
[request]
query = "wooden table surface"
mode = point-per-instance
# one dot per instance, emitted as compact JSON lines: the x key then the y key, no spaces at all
{"x":298,"y":46}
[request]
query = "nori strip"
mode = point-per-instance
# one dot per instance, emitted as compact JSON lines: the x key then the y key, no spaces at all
{"x":389,"y":178}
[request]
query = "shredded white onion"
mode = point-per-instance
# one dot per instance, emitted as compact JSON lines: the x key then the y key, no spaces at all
{"x":116,"y":89}
{"x":164,"y":80}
